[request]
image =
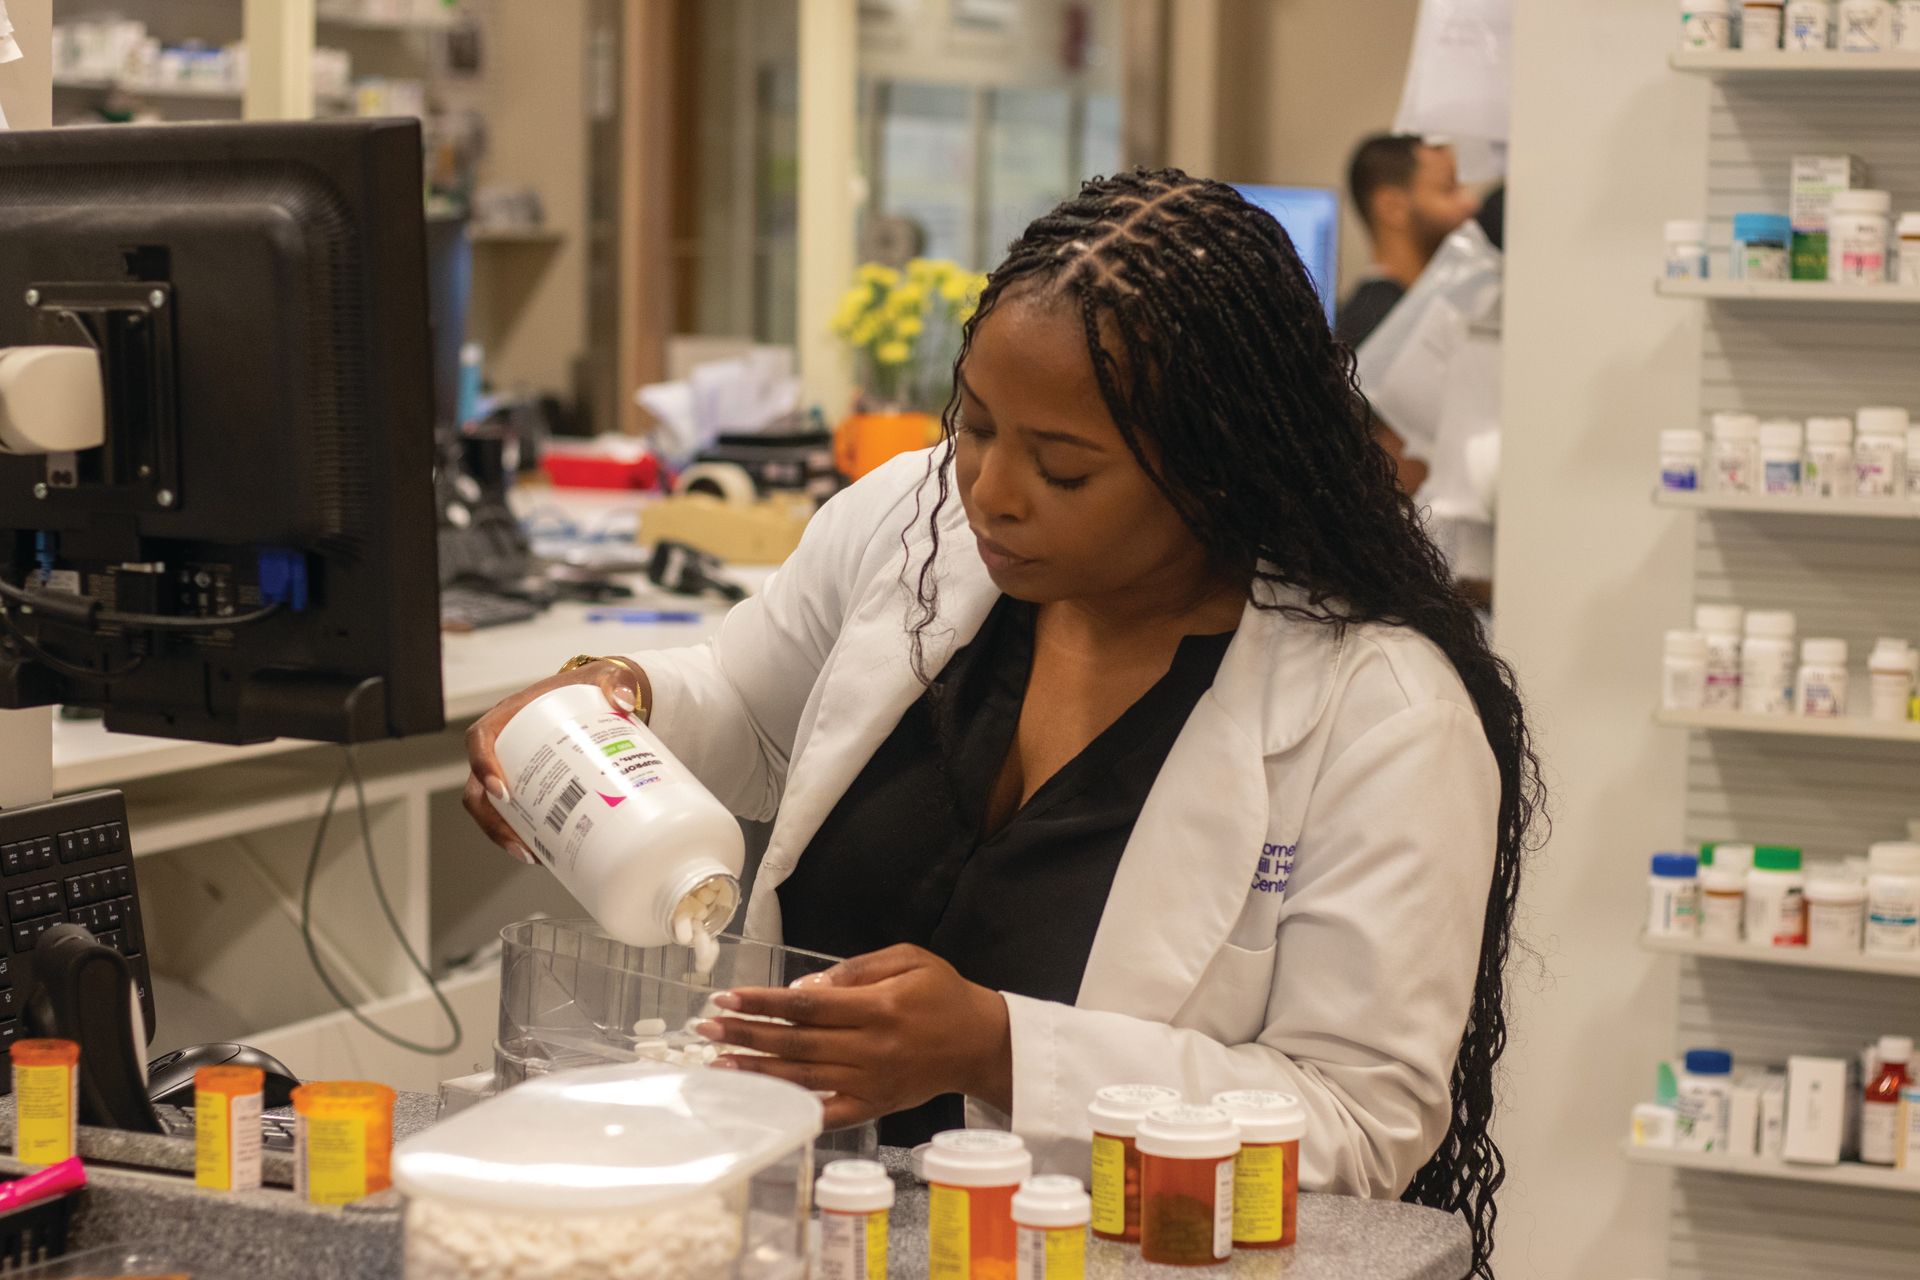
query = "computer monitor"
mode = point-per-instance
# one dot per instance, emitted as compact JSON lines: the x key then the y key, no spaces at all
{"x":250,"y":552}
{"x":1311,"y":217}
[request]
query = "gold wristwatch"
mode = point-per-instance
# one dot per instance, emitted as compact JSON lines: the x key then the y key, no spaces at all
{"x":645,"y":709}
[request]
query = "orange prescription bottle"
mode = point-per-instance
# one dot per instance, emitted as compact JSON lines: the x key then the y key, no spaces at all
{"x":1186,"y":1185}
{"x":1115,"y":1113}
{"x":46,"y":1093}
{"x":1266,"y":1175}
{"x":227,"y":1102}
{"x":972,"y":1175}
{"x":855,"y":1197}
{"x":343,"y":1140}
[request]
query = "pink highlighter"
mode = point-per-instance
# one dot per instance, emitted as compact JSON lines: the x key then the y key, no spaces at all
{"x":52,"y":1181}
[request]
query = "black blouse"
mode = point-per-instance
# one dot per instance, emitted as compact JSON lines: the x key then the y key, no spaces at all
{"x":905,"y":855}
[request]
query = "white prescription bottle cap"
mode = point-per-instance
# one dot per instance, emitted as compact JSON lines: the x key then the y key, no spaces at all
{"x":1052,"y":1202}
{"x":854,"y":1186}
{"x":1188,"y":1133}
{"x":1118,"y":1109}
{"x":1264,"y":1115}
{"x":978,"y":1158}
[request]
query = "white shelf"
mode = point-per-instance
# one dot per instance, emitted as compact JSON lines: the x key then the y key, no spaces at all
{"x":180,"y":92}
{"x":1741,"y":64}
{"x":1798,"y":957}
{"x":1845,"y":1174}
{"x":514,"y":235}
{"x":1810,"y":292}
{"x":361,"y":22}
{"x":1787,"y":505}
{"x":1854,"y":728}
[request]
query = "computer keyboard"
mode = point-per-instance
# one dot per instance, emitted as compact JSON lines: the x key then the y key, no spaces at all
{"x":276,"y":1127}
{"x":65,"y":861}
{"x":464,"y":609}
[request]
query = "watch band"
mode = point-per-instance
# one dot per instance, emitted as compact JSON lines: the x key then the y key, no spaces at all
{"x":645,"y":709}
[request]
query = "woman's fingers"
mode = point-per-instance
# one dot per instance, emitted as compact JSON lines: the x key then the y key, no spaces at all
{"x":488,"y":819}
{"x":617,"y":682}
{"x":796,"y":1044}
{"x":818,"y":1076}
{"x":877,"y":966}
{"x":805,"y":1006}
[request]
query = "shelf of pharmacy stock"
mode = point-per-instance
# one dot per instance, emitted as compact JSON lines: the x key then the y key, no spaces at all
{"x":1795,"y":957}
{"x":1843,"y":728}
{"x":1812,"y":293}
{"x":1786,"y":504}
{"x":1791,"y":64}
{"x":1847,"y":1173}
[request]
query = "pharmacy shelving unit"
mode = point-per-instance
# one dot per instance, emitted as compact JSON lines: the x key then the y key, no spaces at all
{"x":1792,"y":957}
{"x":1845,"y":1174}
{"x":1754,"y":504}
{"x":1848,"y":569}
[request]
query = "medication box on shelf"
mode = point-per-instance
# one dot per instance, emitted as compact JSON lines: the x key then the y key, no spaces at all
{"x":1817,"y":1105}
{"x":1815,"y":180}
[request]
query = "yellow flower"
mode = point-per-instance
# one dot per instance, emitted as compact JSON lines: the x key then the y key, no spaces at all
{"x":865,"y":331}
{"x":874,"y":273}
{"x":923,"y":269}
{"x":907,"y":299}
{"x":956,"y":287}
{"x":909,"y":327}
{"x":893,"y":353}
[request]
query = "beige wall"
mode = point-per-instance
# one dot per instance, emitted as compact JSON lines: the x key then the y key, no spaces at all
{"x":1301,"y":81}
{"x":26,"y":92}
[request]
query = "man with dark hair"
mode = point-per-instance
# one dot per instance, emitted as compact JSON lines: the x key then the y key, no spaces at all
{"x":1408,"y":193}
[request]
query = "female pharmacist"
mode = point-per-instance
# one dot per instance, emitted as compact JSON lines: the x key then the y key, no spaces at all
{"x":1135,"y":734}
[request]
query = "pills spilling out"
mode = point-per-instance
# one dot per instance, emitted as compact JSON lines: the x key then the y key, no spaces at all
{"x":697,"y":1240}
{"x":691,"y":918}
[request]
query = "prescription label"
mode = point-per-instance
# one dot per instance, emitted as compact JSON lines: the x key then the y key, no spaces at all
{"x":330,"y":1158}
{"x":226,"y":1141}
{"x":853,"y":1246}
{"x":1109,"y":1186}
{"x":1223,"y":1209}
{"x":1260,"y":1195}
{"x":47,"y":1100}
{"x":1051,"y":1255}
{"x":949,"y":1234}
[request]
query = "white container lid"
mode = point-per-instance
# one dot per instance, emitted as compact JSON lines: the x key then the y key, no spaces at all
{"x":1188,"y":1133}
{"x":1771,"y":624}
{"x":1883,"y":421}
{"x":1861,"y":201}
{"x":1733,"y":857}
{"x":1118,"y":1109}
{"x":1683,"y":440}
{"x":854,"y":1186}
{"x":1780,"y":434}
{"x":1264,"y":1115}
{"x":1909,"y":225}
{"x":1830,"y":430}
{"x":1825,"y":651}
{"x":1889,"y":654}
{"x":978,"y":1158}
{"x":1735,"y":426}
{"x":1836,"y":891}
{"x":1718,"y":618}
{"x":1705,"y":6}
{"x":1686,"y":231}
{"x":1913,"y":439}
{"x":1052,"y":1201}
{"x":609,"y":1139}
{"x":1896,"y":1049}
{"x":1719,"y":879}
{"x":1687,"y":644}
{"x":1894,"y":858}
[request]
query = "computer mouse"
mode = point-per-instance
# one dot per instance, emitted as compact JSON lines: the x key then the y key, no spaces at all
{"x":170,"y":1076}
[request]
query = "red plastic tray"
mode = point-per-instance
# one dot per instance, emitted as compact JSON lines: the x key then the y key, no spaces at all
{"x":572,"y":471}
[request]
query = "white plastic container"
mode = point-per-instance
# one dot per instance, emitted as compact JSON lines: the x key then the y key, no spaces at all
{"x":1776,"y":899}
{"x":626,"y":827}
{"x":1683,"y":672}
{"x":1890,"y":680}
{"x":1781,"y":456}
{"x":1822,"y":682}
{"x":1686,"y":249}
{"x":1705,"y":1088}
{"x":1809,"y":25}
{"x":1908,"y":232}
{"x":1673,"y":896}
{"x":1836,"y":913}
{"x":1706,"y":24}
{"x":1723,"y":901}
{"x":1050,"y":1216}
{"x":1893,"y":899}
{"x":1766,"y":676}
{"x":1762,"y":23}
{"x":1859,"y":234}
{"x":1913,"y":463}
{"x":1865,"y":26}
{"x":1880,"y":453}
{"x":1735,"y":466}
{"x":1828,"y":472}
{"x":855,"y":1198}
{"x":1720,"y":624}
{"x":1683,"y":456}
{"x":1906,"y":25}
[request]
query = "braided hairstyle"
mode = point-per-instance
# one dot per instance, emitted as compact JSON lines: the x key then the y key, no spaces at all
{"x":1214,"y":358}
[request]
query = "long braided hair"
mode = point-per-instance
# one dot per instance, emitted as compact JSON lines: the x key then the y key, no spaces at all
{"x":1214,"y":358}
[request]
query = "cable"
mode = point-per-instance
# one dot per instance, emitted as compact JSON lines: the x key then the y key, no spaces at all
{"x":351,"y":770}
{"x":65,"y":668}
{"x":52,"y":606}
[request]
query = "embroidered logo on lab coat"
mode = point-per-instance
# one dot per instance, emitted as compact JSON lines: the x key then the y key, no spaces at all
{"x":1276,"y":868}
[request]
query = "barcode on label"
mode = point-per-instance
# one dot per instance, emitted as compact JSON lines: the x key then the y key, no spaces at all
{"x":557,"y":816}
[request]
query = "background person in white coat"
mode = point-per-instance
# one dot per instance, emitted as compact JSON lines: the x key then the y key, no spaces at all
{"x":1136,"y":735}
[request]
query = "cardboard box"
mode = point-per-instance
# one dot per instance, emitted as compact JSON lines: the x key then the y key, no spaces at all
{"x":1809,"y":200}
{"x":1773,"y":1115}
{"x":1743,"y":1117}
{"x":1817,"y":1097}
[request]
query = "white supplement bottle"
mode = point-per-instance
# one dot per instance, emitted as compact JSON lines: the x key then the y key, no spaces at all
{"x":1865,"y":26}
{"x":1767,"y":663}
{"x":1720,"y":624}
{"x":1809,"y":25}
{"x":1858,"y":237}
{"x":1706,"y":24}
{"x":1723,"y":900}
{"x":1686,"y":249}
{"x":1673,"y":896}
{"x":1836,"y":912}
{"x":1682,"y":455}
{"x":1683,"y":672}
{"x":1705,"y":1089}
{"x":1906,"y":25}
{"x":1913,"y":463}
{"x":1776,"y":899}
{"x":625,"y":826}
{"x":1890,"y":680}
{"x":1761,"y":23}
{"x":1880,"y":453}
{"x":855,"y":1197}
{"x":1781,"y":456}
{"x":1050,"y":1216}
{"x":1893,"y":899}
{"x":1823,"y":678}
{"x":1908,"y":232}
{"x":1829,"y":467}
{"x":1736,"y":453}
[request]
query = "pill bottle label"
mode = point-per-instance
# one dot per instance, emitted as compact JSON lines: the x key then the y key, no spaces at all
{"x":1859,"y":259}
{"x":1683,"y":686}
{"x":1783,"y":477}
{"x":1760,"y":28}
{"x":1109,"y":1188}
{"x":1879,"y":1128}
{"x":1777,"y":918}
{"x":1877,"y":469}
{"x":1706,"y":30}
{"x":47,"y":1103}
{"x":1679,"y":476}
{"x":1260,"y":1194}
{"x":1720,"y":916}
{"x":853,"y":1246}
{"x":226,"y":1141}
{"x":330,"y":1158}
{"x":1829,"y":472}
{"x":1223,"y":1209}
{"x":1822,"y":695}
{"x":1051,"y":1254}
{"x":1687,"y":266}
{"x":1675,"y":907}
{"x":949,"y":1234}
{"x":1833,"y":926}
{"x":1893,"y":921}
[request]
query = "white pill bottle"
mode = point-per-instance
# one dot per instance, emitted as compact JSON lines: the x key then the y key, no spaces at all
{"x":626,"y":827}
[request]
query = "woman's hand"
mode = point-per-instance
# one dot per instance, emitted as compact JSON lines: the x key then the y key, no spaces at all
{"x":881,"y":1032}
{"x":620,"y":681}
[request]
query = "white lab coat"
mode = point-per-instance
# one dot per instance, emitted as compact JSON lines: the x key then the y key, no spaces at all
{"x":1299,"y":906}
